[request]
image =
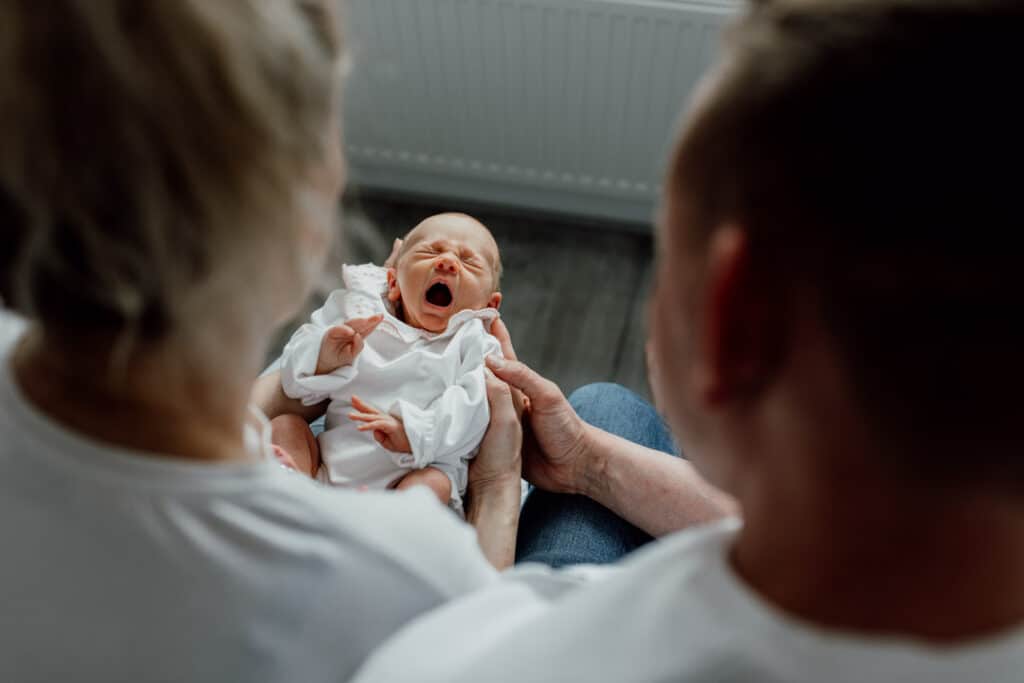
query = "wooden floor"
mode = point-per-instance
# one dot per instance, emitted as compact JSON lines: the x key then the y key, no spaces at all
{"x":574,"y":293}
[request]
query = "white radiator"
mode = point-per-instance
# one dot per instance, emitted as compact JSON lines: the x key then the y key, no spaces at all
{"x":561,"y":105}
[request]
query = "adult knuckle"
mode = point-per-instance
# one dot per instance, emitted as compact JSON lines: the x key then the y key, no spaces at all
{"x":549,"y":390}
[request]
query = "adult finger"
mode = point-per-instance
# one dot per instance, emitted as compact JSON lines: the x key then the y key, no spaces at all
{"x":500,"y":450}
{"x":500,"y":332}
{"x":519,"y":400}
{"x":499,"y":396}
{"x":537,"y":389}
{"x":357,"y":345}
{"x":363,"y":417}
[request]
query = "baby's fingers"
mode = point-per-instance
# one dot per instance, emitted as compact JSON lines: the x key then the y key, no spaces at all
{"x":500,"y":332}
{"x":365,"y":326}
{"x":364,"y":407}
{"x":363,"y":417}
{"x":340,"y":334}
{"x":377,"y":425}
{"x":357,"y":344}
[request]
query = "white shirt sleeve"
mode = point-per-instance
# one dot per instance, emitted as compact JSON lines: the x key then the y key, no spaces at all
{"x":450,"y":428}
{"x":362,"y":297}
{"x":298,"y":368}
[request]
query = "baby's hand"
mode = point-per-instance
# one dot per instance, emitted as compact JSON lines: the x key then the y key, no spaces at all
{"x":342,"y":343}
{"x":388,"y":430}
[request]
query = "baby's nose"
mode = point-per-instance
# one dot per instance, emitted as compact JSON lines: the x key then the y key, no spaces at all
{"x":446,"y":263}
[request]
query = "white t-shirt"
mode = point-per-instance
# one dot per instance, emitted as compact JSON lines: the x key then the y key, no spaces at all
{"x":433,"y":381}
{"x":120,"y":566}
{"x":674,"y":611}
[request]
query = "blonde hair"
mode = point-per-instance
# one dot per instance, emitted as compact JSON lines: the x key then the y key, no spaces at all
{"x":149,"y":150}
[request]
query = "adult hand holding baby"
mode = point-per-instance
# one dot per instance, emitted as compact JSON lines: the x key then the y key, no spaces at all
{"x":493,"y":494}
{"x":564,"y":454}
{"x":342,"y":343}
{"x":500,"y":332}
{"x":501,"y":450}
{"x":556,"y":435}
{"x":556,"y":441}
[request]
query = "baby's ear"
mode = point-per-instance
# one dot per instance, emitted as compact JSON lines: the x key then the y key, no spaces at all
{"x":494,"y":301}
{"x":394,"y":293}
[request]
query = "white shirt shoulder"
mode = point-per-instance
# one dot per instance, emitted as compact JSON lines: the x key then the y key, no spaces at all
{"x":674,"y":611}
{"x":148,"y":567}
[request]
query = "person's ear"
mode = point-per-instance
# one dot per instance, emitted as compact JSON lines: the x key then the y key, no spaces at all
{"x":743,"y":322}
{"x":494,"y":301}
{"x":394,"y":292}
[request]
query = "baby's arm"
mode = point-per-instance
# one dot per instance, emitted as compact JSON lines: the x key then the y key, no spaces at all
{"x":317,"y":359}
{"x":342,"y":343}
{"x":451,"y":427}
{"x":388,"y":430}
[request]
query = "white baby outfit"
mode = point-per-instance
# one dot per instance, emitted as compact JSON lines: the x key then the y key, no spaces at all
{"x":434,"y":382}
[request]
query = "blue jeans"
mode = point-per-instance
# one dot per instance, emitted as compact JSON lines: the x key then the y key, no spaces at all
{"x":559,"y":529}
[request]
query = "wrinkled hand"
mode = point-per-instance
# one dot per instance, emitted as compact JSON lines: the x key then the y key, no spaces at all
{"x":500,"y":456}
{"x":556,"y":439}
{"x":500,"y":332}
{"x":388,"y":430}
{"x":342,"y":343}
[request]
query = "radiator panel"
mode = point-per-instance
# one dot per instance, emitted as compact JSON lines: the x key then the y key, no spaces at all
{"x":565,"y":105}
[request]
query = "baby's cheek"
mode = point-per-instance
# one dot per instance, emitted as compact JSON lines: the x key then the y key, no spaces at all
{"x":477,"y":295}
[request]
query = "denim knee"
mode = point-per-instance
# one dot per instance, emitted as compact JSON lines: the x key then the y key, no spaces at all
{"x":591,"y":400}
{"x":617,"y":410}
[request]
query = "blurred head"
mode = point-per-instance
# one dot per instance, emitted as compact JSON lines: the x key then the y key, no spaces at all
{"x":168,"y":170}
{"x":448,"y":263}
{"x":841,"y":184}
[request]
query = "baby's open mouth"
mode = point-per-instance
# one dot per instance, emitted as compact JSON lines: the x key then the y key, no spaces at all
{"x":439,"y":295}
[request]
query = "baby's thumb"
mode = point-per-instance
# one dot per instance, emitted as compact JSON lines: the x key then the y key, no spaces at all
{"x":340,"y":333}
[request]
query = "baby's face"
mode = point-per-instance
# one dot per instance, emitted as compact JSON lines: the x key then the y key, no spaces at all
{"x":447,"y":264}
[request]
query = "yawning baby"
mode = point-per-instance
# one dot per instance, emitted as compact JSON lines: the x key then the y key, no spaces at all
{"x":400,"y":354}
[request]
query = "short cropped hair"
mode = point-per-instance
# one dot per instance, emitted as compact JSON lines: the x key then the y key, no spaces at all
{"x":871,"y":150}
{"x":146,"y":145}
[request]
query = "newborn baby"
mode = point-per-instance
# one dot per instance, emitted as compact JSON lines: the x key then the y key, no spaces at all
{"x":400,"y":354}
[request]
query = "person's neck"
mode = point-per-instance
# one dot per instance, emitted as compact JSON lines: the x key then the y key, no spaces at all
{"x":837,"y":534}
{"x":938,"y":564}
{"x":153,"y":403}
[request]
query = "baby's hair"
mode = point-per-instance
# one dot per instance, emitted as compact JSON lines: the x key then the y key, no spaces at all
{"x":496,"y":266}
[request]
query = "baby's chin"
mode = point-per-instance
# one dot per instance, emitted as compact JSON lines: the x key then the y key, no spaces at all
{"x":431,"y":321}
{"x":435,"y":324}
